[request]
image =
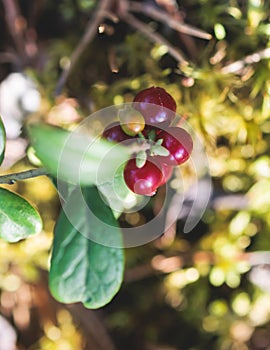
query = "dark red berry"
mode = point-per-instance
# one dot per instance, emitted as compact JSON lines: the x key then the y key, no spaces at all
{"x":156,"y":105}
{"x":115,"y":133}
{"x":145,"y":180}
{"x":178,"y":142}
{"x":167,"y":172}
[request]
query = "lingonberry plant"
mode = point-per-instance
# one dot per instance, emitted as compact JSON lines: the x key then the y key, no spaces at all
{"x":168,"y":146}
{"x":134,"y":156}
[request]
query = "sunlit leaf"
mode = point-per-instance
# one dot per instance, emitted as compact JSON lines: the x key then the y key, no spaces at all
{"x":141,"y":159}
{"x":116,"y":193}
{"x":75,"y":157}
{"x":220,"y":32}
{"x":18,"y":219}
{"x":83,"y":270}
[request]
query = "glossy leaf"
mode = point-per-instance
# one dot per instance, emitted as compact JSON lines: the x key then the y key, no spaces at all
{"x":116,"y":193}
{"x":2,"y":141}
{"x":18,"y":219}
{"x":141,"y":159}
{"x":82,"y":269}
{"x":76,"y":157}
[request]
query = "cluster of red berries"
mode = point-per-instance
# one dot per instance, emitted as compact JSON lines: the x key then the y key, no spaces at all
{"x":162,"y":146}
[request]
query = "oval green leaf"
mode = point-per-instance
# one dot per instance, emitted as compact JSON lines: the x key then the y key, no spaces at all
{"x":83,"y":270}
{"x":18,"y":219}
{"x":2,"y":141}
{"x":75,"y":157}
{"x":116,"y":193}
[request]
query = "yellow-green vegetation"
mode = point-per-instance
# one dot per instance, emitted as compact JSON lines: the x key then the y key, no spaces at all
{"x":205,"y":289}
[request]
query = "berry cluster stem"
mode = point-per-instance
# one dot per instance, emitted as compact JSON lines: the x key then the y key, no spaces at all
{"x":10,"y":179}
{"x":136,"y":147}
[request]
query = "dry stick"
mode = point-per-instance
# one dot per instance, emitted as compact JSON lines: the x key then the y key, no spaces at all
{"x":89,"y":34}
{"x":10,"y":179}
{"x":237,"y":66}
{"x":155,"y":37}
{"x":162,"y":16}
{"x":13,"y":19}
{"x":93,"y":327}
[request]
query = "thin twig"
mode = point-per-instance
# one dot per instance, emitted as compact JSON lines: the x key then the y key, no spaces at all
{"x":172,"y":10}
{"x":15,"y":21}
{"x":93,"y":326}
{"x":154,"y":37}
{"x":10,"y":179}
{"x":162,"y":16}
{"x":237,"y":66}
{"x":89,"y":34}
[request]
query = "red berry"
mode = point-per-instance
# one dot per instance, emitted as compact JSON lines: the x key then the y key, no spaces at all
{"x":167,"y":172}
{"x":115,"y":133}
{"x":156,"y":105}
{"x":145,"y":180}
{"x":178,"y":142}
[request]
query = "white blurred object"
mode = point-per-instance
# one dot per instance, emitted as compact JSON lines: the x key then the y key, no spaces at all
{"x":259,"y":275}
{"x":8,"y":337}
{"x":18,"y":98}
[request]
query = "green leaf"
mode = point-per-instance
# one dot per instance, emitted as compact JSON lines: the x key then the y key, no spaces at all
{"x":116,"y":193}
{"x":220,"y":31}
{"x":76,"y":157}
{"x":18,"y":219}
{"x":152,"y":135}
{"x":82,"y":269}
{"x":159,"y":142}
{"x":141,"y":159}
{"x":2,"y":141}
{"x":158,"y":150}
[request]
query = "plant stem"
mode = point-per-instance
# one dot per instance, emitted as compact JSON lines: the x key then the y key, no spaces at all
{"x":90,"y":32}
{"x":154,"y":37}
{"x":10,"y":179}
{"x":164,"y":17}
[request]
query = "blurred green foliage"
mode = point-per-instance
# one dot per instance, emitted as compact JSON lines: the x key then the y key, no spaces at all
{"x":199,"y":291}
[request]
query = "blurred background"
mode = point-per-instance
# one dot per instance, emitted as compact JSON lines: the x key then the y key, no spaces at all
{"x":207,"y":289}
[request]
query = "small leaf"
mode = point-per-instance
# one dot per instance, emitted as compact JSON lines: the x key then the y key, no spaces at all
{"x":2,"y":141}
{"x":220,"y":31}
{"x":116,"y":193}
{"x":82,"y":269}
{"x":18,"y":219}
{"x":75,"y":157}
{"x":141,"y":159}
{"x":152,"y":135}
{"x":159,"y":142}
{"x":158,"y":150}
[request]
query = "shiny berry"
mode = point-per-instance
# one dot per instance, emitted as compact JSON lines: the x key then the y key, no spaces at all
{"x":132,"y":123}
{"x":178,"y":142}
{"x":167,"y":172}
{"x":144,"y":180}
{"x":115,"y":133}
{"x":156,"y":105}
